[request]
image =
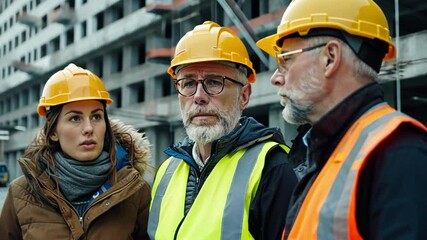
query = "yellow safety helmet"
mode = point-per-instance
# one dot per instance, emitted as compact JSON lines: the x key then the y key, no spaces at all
{"x":361,"y":18}
{"x":210,"y":42}
{"x":71,"y":84}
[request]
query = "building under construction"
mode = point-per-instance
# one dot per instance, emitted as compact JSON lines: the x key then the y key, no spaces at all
{"x":129,"y":44}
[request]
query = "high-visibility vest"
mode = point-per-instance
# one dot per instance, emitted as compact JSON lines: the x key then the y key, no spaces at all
{"x":221,"y":208}
{"x":329,"y":209}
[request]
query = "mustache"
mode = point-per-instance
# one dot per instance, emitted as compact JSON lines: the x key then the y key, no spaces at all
{"x":194,"y":111}
{"x":198,"y":110}
{"x":283,"y":93}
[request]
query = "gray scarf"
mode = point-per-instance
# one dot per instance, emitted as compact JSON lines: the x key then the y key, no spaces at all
{"x":78,"y":180}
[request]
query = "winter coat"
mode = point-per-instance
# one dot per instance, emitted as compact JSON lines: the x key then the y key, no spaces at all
{"x":121,"y":212}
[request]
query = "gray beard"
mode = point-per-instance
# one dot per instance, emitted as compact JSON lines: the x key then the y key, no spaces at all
{"x":228,"y":120}
{"x":208,"y":134}
{"x":296,"y":114}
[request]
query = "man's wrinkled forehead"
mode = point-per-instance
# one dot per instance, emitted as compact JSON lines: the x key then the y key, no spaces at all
{"x":205,"y":69}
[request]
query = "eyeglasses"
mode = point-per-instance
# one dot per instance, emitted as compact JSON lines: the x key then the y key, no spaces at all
{"x":212,"y":85}
{"x":282,"y":59}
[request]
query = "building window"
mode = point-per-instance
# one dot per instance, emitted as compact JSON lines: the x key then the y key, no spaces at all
{"x":84,"y":29}
{"x":35,"y":54}
{"x":117,"y":96}
{"x":23,"y":36}
{"x":55,"y":44}
{"x":24,"y":121}
{"x":137,"y":92}
{"x":34,"y":120}
{"x":44,"y":21}
{"x":99,"y":20}
{"x":70,"y":36}
{"x":166,"y":86}
{"x":141,"y":53}
{"x":25,"y":97}
{"x":117,"y":61}
{"x":16,"y":102}
{"x":98,"y":67}
{"x":35,"y":93}
{"x":71,"y":3}
{"x":116,"y":11}
{"x":43,"y":50}
{"x":8,"y":105}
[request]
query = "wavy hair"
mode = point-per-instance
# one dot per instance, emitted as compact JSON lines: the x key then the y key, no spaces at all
{"x":42,"y":146}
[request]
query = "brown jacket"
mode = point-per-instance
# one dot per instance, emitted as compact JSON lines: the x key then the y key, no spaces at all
{"x":119,"y":213}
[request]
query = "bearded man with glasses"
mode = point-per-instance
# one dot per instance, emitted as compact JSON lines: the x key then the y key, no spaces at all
{"x":361,"y":163}
{"x":230,"y":178}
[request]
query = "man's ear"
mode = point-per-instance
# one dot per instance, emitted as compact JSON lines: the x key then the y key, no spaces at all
{"x":54,"y":137}
{"x":333,"y":57}
{"x":245,"y":94}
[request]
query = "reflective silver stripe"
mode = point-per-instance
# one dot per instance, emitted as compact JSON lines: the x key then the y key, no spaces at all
{"x":333,"y":216}
{"x":231,"y":227}
{"x":153,"y":219}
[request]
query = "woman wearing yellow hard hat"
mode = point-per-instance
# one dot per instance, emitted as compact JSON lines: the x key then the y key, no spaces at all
{"x":82,"y":172}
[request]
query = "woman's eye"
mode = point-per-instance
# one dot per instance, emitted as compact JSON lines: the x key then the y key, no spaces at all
{"x":96,"y":117}
{"x":75,"y":118}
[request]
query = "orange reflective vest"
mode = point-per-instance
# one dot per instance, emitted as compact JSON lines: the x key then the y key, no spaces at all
{"x":329,"y":209}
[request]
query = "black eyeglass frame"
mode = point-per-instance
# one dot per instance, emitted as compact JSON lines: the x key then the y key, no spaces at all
{"x":280,"y":56}
{"x":202,"y":81}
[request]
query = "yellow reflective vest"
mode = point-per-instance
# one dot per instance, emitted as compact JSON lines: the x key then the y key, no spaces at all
{"x":221,"y":208}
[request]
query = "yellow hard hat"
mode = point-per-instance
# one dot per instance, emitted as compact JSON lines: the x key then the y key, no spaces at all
{"x":210,"y":42}
{"x":71,"y":84}
{"x":362,"y":18}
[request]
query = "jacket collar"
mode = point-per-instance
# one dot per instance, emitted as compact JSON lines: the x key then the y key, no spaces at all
{"x":248,"y":133}
{"x":327,"y":132}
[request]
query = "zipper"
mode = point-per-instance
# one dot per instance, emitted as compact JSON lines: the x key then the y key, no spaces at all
{"x":211,"y":157}
{"x":198,"y":186}
{"x":198,"y":176}
{"x":64,"y":200}
{"x":97,"y":200}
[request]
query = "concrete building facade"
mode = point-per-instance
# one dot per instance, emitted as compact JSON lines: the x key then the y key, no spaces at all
{"x":129,"y":44}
